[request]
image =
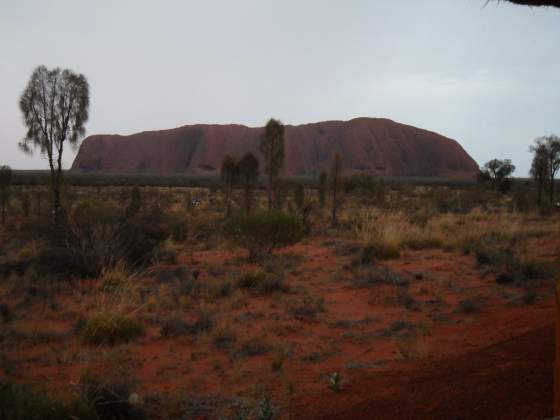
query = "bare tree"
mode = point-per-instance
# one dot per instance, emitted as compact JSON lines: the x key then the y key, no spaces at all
{"x":248,"y":167}
{"x":55,"y":107}
{"x":5,"y":187}
{"x":547,"y":150}
{"x":272,"y":148}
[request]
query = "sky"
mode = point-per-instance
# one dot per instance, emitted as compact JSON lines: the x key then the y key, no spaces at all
{"x":486,"y":76}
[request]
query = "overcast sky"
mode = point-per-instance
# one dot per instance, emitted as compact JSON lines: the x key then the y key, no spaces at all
{"x":488,"y":77}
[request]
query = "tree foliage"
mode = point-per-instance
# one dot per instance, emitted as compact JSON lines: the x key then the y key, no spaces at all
{"x":272,"y":149}
{"x":54,"y":106}
{"x":546,"y":162}
{"x":498,"y":172}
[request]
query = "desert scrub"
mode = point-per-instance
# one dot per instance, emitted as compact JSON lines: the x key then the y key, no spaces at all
{"x":511,"y":269}
{"x":175,"y":327}
{"x":376,"y":276}
{"x":24,"y":402}
{"x":109,"y":399}
{"x":308,"y":309}
{"x":254,"y":346}
{"x":111,"y":328}
{"x":260,"y":282}
{"x":223,"y":337}
{"x":167,"y":252}
{"x":468,"y":306}
{"x":114,"y":280}
{"x":261,"y":233}
{"x":412,"y":346}
{"x":380,"y":235}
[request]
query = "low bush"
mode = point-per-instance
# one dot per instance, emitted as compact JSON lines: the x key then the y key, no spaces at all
{"x":262,"y":233}
{"x":223,"y":338}
{"x":511,"y":269}
{"x":110,"y":400}
{"x":24,"y":402}
{"x":261,"y":283}
{"x":180,"y":273}
{"x":174,"y":327}
{"x":111,"y":328}
{"x":308,"y":309}
{"x":379,"y":251}
{"x":407,"y":300}
{"x":255,"y":346}
{"x":375,"y":276}
{"x":468,"y":306}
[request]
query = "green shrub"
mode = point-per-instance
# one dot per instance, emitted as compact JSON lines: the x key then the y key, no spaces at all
{"x":261,"y":233}
{"x":110,"y":328}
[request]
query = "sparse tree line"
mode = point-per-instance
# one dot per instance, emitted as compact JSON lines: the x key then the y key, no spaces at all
{"x":244,"y":173}
{"x":55,"y":106}
{"x":544,"y":168}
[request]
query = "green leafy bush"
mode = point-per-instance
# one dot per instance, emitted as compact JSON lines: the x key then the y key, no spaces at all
{"x":261,"y":233}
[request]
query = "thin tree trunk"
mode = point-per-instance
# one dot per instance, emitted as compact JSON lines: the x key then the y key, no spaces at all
{"x":270,"y":191}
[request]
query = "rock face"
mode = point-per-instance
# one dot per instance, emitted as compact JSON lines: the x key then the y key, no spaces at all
{"x":366,"y":145}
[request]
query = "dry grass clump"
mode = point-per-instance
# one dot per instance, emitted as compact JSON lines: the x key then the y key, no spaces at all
{"x":111,"y":328}
{"x":412,"y":346}
{"x":386,"y":233}
{"x":111,"y":311}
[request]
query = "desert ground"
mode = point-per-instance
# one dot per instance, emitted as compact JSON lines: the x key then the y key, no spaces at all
{"x":422,"y":302}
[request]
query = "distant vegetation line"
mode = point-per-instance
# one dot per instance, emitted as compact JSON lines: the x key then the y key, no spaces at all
{"x":28,"y":177}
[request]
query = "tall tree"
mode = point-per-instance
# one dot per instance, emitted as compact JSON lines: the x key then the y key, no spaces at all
{"x":248,"y":167}
{"x":539,"y":169}
{"x":548,"y":148}
{"x":498,"y":172}
{"x":5,"y":187}
{"x":229,"y":175}
{"x":336,"y":184}
{"x":55,"y":106}
{"x":272,"y":148}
